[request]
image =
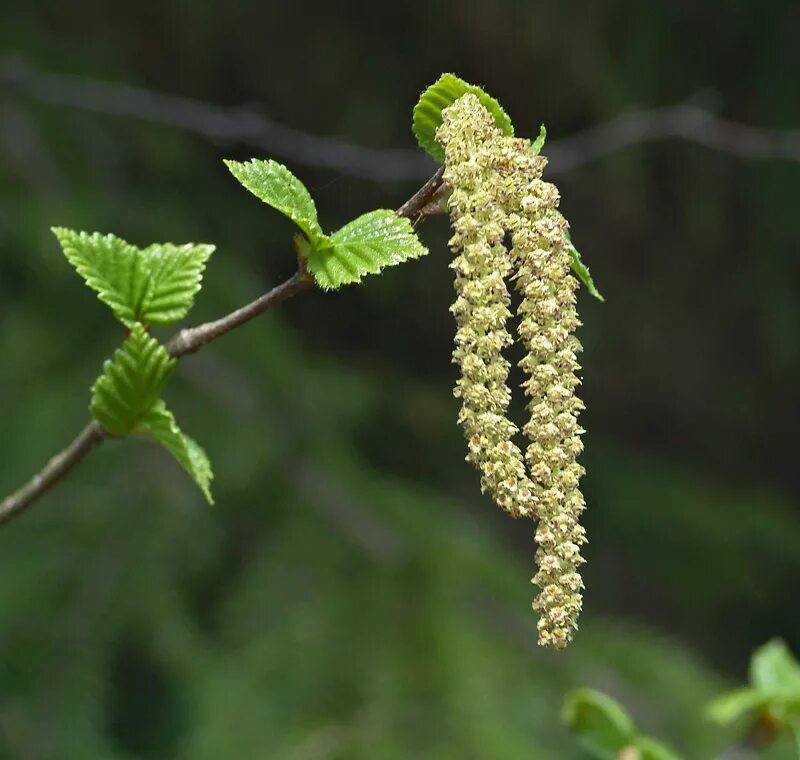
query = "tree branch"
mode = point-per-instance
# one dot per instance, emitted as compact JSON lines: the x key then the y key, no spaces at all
{"x":414,"y":207}
{"x":191,"y":339}
{"x":188,"y":341}
{"x":57,"y":468}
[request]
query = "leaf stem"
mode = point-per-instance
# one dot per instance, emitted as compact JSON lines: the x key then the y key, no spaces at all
{"x":188,"y":341}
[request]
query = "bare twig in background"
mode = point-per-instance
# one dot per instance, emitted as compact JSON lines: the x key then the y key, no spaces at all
{"x":242,"y":125}
{"x":186,"y":341}
{"x":247,"y":126}
{"x":684,"y":121}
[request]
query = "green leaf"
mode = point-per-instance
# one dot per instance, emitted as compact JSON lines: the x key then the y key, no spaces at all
{"x":773,"y":669}
{"x":156,"y":285}
{"x":111,"y":267}
{"x":538,"y":143}
{"x":131,"y":382}
{"x":445,"y":91}
{"x":176,"y":272}
{"x":159,"y":425}
{"x":733,"y":705}
{"x":601,"y":724}
{"x":650,"y":749}
{"x":274,"y":184}
{"x":582,"y":271}
{"x":366,"y":245}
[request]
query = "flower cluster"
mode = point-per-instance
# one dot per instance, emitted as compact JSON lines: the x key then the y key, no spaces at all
{"x":497,"y":195}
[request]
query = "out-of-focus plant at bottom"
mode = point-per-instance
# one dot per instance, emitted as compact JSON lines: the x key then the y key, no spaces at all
{"x":771,"y":706}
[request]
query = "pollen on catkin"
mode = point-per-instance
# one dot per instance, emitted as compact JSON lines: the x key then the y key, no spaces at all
{"x":497,"y":189}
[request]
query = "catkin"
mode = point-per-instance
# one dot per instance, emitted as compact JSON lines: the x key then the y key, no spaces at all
{"x":497,"y":191}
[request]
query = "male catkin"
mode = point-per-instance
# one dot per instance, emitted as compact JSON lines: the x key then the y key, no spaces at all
{"x":497,"y":190}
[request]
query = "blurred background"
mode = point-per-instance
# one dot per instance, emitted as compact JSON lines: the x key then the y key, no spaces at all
{"x":352,"y":594}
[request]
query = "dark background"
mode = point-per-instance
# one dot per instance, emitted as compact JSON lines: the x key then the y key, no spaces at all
{"x":352,"y":595}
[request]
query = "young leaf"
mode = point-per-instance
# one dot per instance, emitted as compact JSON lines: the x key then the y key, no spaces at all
{"x":538,"y":143}
{"x":175,"y":273}
{"x":156,"y":285}
{"x":111,"y":267}
{"x":601,"y":724}
{"x":159,"y":425}
{"x":131,"y":382}
{"x":274,"y":184}
{"x":582,"y":272}
{"x":733,"y":705}
{"x":445,"y":91}
{"x":364,"y":246}
{"x":773,"y":669}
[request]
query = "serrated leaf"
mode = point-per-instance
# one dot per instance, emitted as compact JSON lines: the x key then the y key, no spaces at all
{"x":111,"y":267}
{"x":176,"y":272}
{"x":274,"y":184}
{"x":773,"y":669}
{"x":733,"y":705}
{"x":366,"y":245}
{"x":156,"y":285}
{"x":602,"y":726}
{"x":582,"y":271}
{"x":650,"y":749}
{"x":442,"y":93}
{"x":131,"y":382}
{"x":159,"y":425}
{"x":538,"y":143}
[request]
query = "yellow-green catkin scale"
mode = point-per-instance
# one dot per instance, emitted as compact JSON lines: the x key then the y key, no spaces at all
{"x":497,"y":179}
{"x":481,"y":307}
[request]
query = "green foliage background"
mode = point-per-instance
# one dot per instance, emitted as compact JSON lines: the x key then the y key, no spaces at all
{"x":352,"y":595}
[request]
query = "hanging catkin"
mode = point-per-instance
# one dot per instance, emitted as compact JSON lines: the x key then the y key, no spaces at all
{"x":497,"y":191}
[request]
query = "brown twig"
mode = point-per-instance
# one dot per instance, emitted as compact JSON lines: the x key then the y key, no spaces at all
{"x":57,"y":468}
{"x":191,"y":339}
{"x":187,"y":341}
{"x":414,"y":206}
